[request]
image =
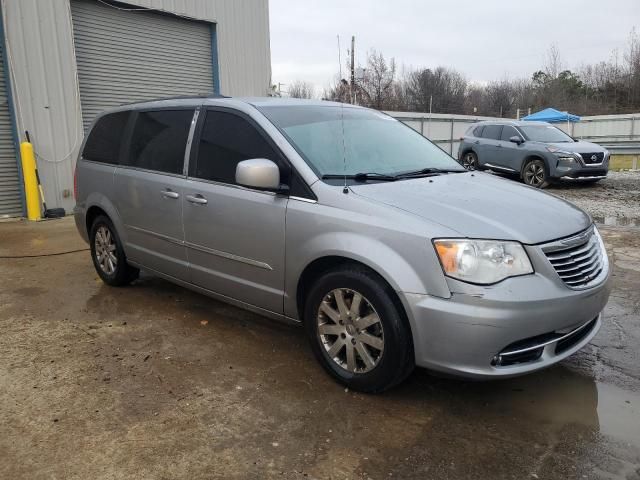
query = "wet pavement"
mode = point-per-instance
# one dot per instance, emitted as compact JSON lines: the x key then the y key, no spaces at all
{"x":154,"y":381}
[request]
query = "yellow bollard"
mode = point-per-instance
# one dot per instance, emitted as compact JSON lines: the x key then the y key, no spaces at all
{"x":30,"y":181}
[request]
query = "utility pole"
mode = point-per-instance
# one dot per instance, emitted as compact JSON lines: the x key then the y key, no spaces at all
{"x":353,"y":68}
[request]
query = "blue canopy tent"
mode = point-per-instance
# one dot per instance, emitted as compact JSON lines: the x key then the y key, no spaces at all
{"x":552,"y":115}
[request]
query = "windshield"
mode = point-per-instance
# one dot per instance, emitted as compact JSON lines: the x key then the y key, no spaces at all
{"x":367,"y":141}
{"x":545,"y":133}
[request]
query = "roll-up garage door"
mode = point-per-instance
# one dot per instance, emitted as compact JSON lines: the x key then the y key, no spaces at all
{"x":10,"y":187}
{"x":128,"y":56}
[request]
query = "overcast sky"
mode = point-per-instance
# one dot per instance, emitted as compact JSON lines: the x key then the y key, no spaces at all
{"x":485,"y":40}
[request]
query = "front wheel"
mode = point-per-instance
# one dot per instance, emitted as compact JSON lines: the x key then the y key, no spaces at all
{"x":470,"y":161}
{"x":534,"y":174}
{"x":356,"y":330}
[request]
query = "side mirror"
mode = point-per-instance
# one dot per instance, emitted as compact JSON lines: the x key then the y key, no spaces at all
{"x":258,"y":173}
{"x":516,"y":139}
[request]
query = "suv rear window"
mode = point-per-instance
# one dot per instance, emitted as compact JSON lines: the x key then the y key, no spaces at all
{"x":105,"y":138}
{"x":492,"y":131}
{"x":159,"y":140}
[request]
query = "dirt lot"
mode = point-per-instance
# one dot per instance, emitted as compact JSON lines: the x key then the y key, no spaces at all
{"x":153,"y":381}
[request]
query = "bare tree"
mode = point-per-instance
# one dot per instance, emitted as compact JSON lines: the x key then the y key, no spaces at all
{"x":301,"y":89}
{"x":339,"y":92}
{"x":442,"y":89}
{"x":376,"y":87}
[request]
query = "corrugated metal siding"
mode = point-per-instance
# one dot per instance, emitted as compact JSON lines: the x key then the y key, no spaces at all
{"x":124,"y":56}
{"x":243,"y":39}
{"x":46,"y":92}
{"x":10,"y":198}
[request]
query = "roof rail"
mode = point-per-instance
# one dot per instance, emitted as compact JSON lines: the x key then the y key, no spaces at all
{"x":177,"y":97}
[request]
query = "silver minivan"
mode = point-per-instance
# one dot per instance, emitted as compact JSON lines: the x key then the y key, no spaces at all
{"x":345,"y":220}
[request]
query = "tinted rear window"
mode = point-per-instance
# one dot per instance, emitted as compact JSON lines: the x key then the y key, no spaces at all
{"x":159,"y":140}
{"x":492,"y":131}
{"x":477,"y":132}
{"x":105,"y":139}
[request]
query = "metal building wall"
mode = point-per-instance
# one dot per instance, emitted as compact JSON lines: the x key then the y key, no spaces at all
{"x":39,"y":40}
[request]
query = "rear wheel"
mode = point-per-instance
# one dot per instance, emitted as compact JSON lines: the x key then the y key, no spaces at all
{"x":108,"y":256}
{"x":534,"y":174}
{"x":356,"y":330}
{"x":470,"y":161}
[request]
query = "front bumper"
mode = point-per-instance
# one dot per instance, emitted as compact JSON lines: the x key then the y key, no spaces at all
{"x":465,"y":334}
{"x":577,"y":171}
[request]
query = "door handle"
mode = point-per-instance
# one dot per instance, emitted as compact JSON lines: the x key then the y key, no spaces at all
{"x":477,"y":142}
{"x":196,"y":199}
{"x":168,"y":193}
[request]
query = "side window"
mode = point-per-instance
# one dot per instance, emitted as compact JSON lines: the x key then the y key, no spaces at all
{"x":477,"y":132}
{"x":492,"y":131}
{"x":105,"y":138}
{"x":508,"y":132}
{"x":159,"y":140}
{"x":226,"y":140}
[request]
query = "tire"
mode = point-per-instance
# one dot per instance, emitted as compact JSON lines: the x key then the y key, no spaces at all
{"x":113,"y":269}
{"x":470,"y":161}
{"x":534,"y":174}
{"x":376,"y":333}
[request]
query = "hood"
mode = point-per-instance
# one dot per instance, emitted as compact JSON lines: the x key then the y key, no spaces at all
{"x":577,"y":147}
{"x":480,"y":205}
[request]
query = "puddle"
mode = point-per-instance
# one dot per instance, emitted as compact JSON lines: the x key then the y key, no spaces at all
{"x":619,"y":413}
{"x":617,"y":221}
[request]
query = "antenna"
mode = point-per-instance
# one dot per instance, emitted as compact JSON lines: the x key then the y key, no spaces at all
{"x":344,"y":148}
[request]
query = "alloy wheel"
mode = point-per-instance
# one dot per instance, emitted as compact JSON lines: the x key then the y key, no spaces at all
{"x":469,"y":161}
{"x":350,"y":330}
{"x":534,"y":174}
{"x":105,"y":247}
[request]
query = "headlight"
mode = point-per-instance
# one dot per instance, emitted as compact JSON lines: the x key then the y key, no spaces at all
{"x":562,"y":155}
{"x":482,"y":261}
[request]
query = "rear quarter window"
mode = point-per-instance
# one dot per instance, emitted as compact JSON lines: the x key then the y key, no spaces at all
{"x":477,"y":132}
{"x":105,"y":138}
{"x":492,"y":132}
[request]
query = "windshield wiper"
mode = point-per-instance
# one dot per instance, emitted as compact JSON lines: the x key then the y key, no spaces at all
{"x":428,"y":171}
{"x":361,"y":177}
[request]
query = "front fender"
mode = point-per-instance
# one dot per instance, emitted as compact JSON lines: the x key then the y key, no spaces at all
{"x":406,"y":260}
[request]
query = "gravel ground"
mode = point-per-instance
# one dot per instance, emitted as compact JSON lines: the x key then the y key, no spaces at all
{"x":613,"y":201}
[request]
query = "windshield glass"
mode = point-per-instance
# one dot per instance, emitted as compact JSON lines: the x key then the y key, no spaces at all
{"x":545,"y":133}
{"x":367,"y":141}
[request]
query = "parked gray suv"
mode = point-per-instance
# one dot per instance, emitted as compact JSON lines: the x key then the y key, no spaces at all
{"x":345,"y":220}
{"x":537,"y":152}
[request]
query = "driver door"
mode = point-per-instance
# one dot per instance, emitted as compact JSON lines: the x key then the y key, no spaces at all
{"x":235,"y":236}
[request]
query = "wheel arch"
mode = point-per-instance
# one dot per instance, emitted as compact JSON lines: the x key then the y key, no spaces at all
{"x":321,"y":265}
{"x":529,"y":158}
{"x":99,"y":204}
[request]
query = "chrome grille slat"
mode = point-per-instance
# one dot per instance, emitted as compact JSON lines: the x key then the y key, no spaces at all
{"x":591,"y":260}
{"x":580,"y":262}
{"x":582,"y":273}
{"x":569,"y":253}
{"x":572,"y":260}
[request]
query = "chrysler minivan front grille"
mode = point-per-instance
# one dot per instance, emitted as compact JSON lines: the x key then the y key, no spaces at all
{"x":580,"y":260}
